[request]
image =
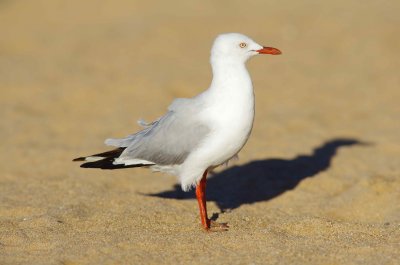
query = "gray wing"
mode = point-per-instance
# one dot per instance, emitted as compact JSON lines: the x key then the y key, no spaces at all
{"x":168,"y":140}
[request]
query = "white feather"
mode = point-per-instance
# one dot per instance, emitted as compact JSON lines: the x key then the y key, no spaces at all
{"x":226,"y":108}
{"x":93,"y":158}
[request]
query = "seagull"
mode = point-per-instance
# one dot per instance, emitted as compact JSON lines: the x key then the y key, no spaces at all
{"x":196,"y":134}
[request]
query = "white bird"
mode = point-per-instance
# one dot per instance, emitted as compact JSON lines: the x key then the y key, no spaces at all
{"x":200,"y":133}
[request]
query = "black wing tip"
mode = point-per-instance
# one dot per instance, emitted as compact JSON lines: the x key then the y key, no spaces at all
{"x":108,"y":164}
{"x":82,"y":158}
{"x":104,"y":155}
{"x":107,"y":161}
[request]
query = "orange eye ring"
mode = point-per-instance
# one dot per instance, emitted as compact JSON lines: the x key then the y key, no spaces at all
{"x":242,"y":45}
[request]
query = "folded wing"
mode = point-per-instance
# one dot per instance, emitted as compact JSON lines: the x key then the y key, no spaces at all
{"x":166,"y":141}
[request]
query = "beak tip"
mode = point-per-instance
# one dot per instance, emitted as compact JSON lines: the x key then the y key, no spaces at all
{"x":269,"y":50}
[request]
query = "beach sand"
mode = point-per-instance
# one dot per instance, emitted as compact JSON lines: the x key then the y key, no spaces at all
{"x":317,"y":183}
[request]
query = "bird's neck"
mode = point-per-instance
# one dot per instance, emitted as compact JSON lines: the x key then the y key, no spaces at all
{"x":230,"y":75}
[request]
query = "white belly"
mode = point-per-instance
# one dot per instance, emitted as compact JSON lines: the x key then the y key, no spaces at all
{"x":231,"y":122}
{"x":230,"y":137}
{"x":226,"y":139}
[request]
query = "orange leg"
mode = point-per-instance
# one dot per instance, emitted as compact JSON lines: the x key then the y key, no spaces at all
{"x":201,"y":199}
{"x":207,"y":224}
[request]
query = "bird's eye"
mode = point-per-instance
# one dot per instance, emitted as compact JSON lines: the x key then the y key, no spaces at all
{"x":242,"y":45}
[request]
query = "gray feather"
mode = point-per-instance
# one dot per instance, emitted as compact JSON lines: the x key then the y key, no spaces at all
{"x":168,"y":140}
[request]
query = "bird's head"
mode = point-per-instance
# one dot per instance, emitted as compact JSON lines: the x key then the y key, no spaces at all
{"x":238,"y":47}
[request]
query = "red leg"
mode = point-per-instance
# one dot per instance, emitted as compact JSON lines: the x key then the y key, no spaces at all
{"x":208,"y":225}
{"x":201,"y":199}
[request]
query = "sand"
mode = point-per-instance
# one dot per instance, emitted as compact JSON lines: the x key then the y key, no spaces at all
{"x":317,"y":183}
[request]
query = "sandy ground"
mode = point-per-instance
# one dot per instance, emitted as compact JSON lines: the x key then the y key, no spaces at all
{"x":317,"y":183}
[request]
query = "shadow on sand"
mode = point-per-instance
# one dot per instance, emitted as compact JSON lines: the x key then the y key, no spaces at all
{"x":263,"y":180}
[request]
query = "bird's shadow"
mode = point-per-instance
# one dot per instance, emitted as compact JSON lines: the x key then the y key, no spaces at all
{"x":263,"y":180}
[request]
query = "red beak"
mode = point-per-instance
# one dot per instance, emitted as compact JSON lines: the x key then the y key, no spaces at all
{"x":269,"y":50}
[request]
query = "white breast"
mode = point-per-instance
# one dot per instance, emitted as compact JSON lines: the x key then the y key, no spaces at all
{"x":229,"y":113}
{"x":231,"y":126}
